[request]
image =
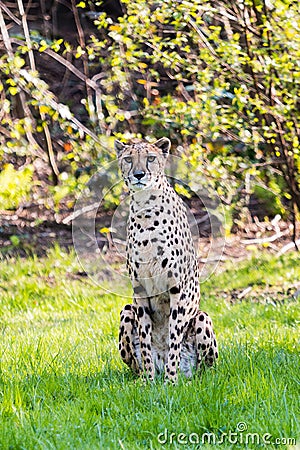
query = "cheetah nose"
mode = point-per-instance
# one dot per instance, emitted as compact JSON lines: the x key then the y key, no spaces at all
{"x":139,"y":174}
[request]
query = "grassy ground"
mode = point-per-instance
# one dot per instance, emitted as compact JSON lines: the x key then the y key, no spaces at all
{"x":63,"y":386}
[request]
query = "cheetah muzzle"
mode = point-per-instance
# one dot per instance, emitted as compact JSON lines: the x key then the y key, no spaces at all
{"x":163,"y":329}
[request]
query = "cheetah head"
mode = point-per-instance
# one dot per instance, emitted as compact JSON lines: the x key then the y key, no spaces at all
{"x":142,"y":164}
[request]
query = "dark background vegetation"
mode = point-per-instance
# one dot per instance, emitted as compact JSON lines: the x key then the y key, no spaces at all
{"x":219,"y":78}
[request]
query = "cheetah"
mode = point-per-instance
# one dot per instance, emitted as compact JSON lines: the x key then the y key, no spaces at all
{"x":163,"y":330}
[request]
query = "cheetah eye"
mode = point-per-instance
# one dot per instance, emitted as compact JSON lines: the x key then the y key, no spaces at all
{"x":128,"y":159}
{"x":151,"y":158}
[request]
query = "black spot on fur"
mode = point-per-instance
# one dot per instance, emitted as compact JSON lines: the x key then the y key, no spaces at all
{"x":175,"y":290}
{"x":181,"y":310}
{"x":164,"y":263}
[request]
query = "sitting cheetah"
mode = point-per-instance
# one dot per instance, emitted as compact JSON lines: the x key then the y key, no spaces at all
{"x":163,"y":330}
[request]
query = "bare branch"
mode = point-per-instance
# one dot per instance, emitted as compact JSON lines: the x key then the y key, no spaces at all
{"x":9,"y":49}
{"x":289,"y":246}
{"x":9,"y":13}
{"x":272,"y":238}
{"x":5,"y":36}
{"x":27,"y":35}
{"x":50,"y":152}
{"x":91,"y":109}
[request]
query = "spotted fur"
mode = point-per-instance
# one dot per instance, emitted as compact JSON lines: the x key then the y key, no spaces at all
{"x":163,"y":330}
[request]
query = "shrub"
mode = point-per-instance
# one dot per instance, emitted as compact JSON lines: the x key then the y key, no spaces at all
{"x":221,"y":79}
{"x":15,"y":186}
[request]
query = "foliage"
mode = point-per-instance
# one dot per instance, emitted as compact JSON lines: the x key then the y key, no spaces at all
{"x":15,"y":186}
{"x":63,"y":385}
{"x":220,"y":78}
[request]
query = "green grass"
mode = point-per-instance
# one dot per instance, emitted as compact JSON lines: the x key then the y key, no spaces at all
{"x":63,"y":385}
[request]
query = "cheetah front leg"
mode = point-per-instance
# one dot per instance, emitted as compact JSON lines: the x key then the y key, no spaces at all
{"x":176,"y":331}
{"x":129,"y":346}
{"x":145,"y":337}
{"x":206,"y":344}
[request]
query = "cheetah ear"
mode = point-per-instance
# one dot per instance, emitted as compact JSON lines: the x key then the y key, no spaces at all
{"x":164,"y":144}
{"x":119,"y":147}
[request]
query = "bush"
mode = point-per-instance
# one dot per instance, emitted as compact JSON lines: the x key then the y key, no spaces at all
{"x":220,"y":80}
{"x":15,"y":186}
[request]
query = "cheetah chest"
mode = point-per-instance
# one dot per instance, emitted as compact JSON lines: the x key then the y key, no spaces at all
{"x":159,"y":248}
